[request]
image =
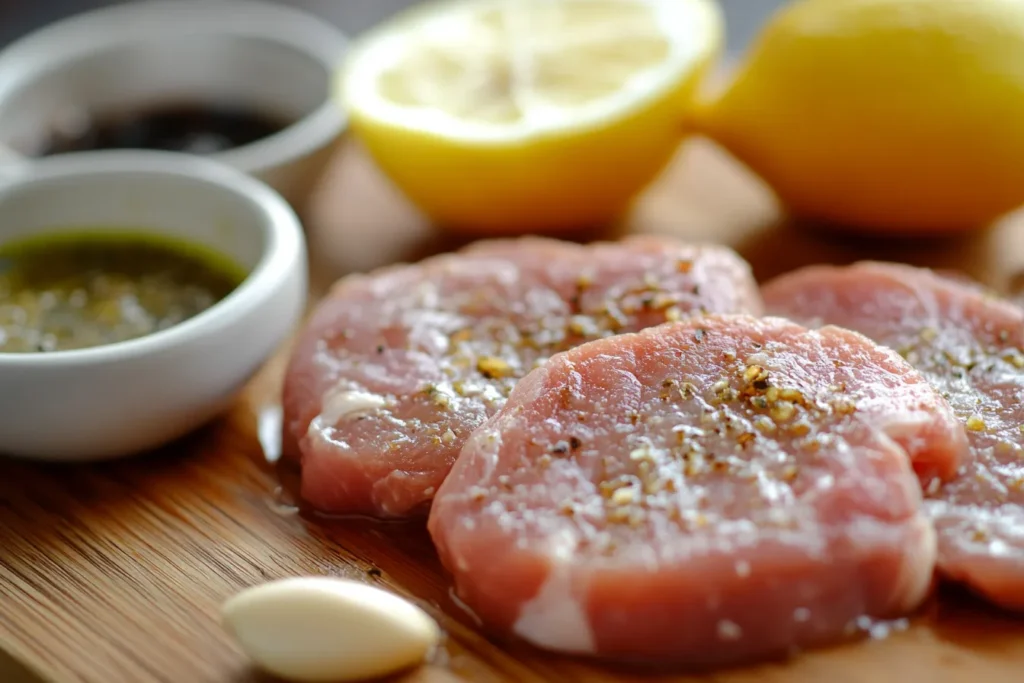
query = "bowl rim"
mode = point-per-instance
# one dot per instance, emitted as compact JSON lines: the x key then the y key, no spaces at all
{"x":63,"y":41}
{"x":283,"y":253}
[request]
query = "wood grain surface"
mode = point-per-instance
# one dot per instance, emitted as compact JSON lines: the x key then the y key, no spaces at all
{"x":115,"y":572}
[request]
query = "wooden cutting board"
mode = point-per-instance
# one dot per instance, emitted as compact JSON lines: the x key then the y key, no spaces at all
{"x":114,"y":573}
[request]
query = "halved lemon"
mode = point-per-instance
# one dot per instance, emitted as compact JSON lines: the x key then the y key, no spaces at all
{"x":504,"y":116}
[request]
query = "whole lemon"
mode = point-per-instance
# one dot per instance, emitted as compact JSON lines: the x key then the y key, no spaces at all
{"x":899,"y":116}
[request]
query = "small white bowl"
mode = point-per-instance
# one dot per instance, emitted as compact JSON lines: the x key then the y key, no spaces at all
{"x":119,"y":399}
{"x":270,"y":57}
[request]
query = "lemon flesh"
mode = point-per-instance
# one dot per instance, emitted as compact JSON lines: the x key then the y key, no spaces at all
{"x":899,"y":116}
{"x":528,"y":115}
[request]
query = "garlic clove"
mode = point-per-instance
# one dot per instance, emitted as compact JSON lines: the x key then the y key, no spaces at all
{"x":317,"y":629}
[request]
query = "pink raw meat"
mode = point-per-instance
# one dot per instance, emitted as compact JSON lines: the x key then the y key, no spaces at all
{"x":709,"y":491}
{"x":397,"y":367}
{"x":967,"y":343}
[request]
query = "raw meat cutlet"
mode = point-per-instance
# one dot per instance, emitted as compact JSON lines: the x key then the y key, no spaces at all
{"x":397,"y":367}
{"x":709,"y":491}
{"x":967,"y":343}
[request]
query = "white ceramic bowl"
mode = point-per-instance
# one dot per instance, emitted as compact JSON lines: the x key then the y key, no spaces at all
{"x":119,"y":399}
{"x":270,"y":57}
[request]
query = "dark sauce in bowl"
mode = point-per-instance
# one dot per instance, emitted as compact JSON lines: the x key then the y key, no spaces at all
{"x":80,"y":289}
{"x":190,"y":128}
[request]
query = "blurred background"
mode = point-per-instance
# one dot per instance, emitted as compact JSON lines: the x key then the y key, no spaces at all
{"x":18,"y":17}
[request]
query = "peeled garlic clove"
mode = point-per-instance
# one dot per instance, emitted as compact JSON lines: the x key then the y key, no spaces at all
{"x":324,"y":629}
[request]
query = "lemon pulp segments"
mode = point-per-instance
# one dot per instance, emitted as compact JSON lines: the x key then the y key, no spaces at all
{"x":529,"y":63}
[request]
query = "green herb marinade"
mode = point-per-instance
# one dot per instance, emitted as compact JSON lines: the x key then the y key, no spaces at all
{"x":85,"y":288}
